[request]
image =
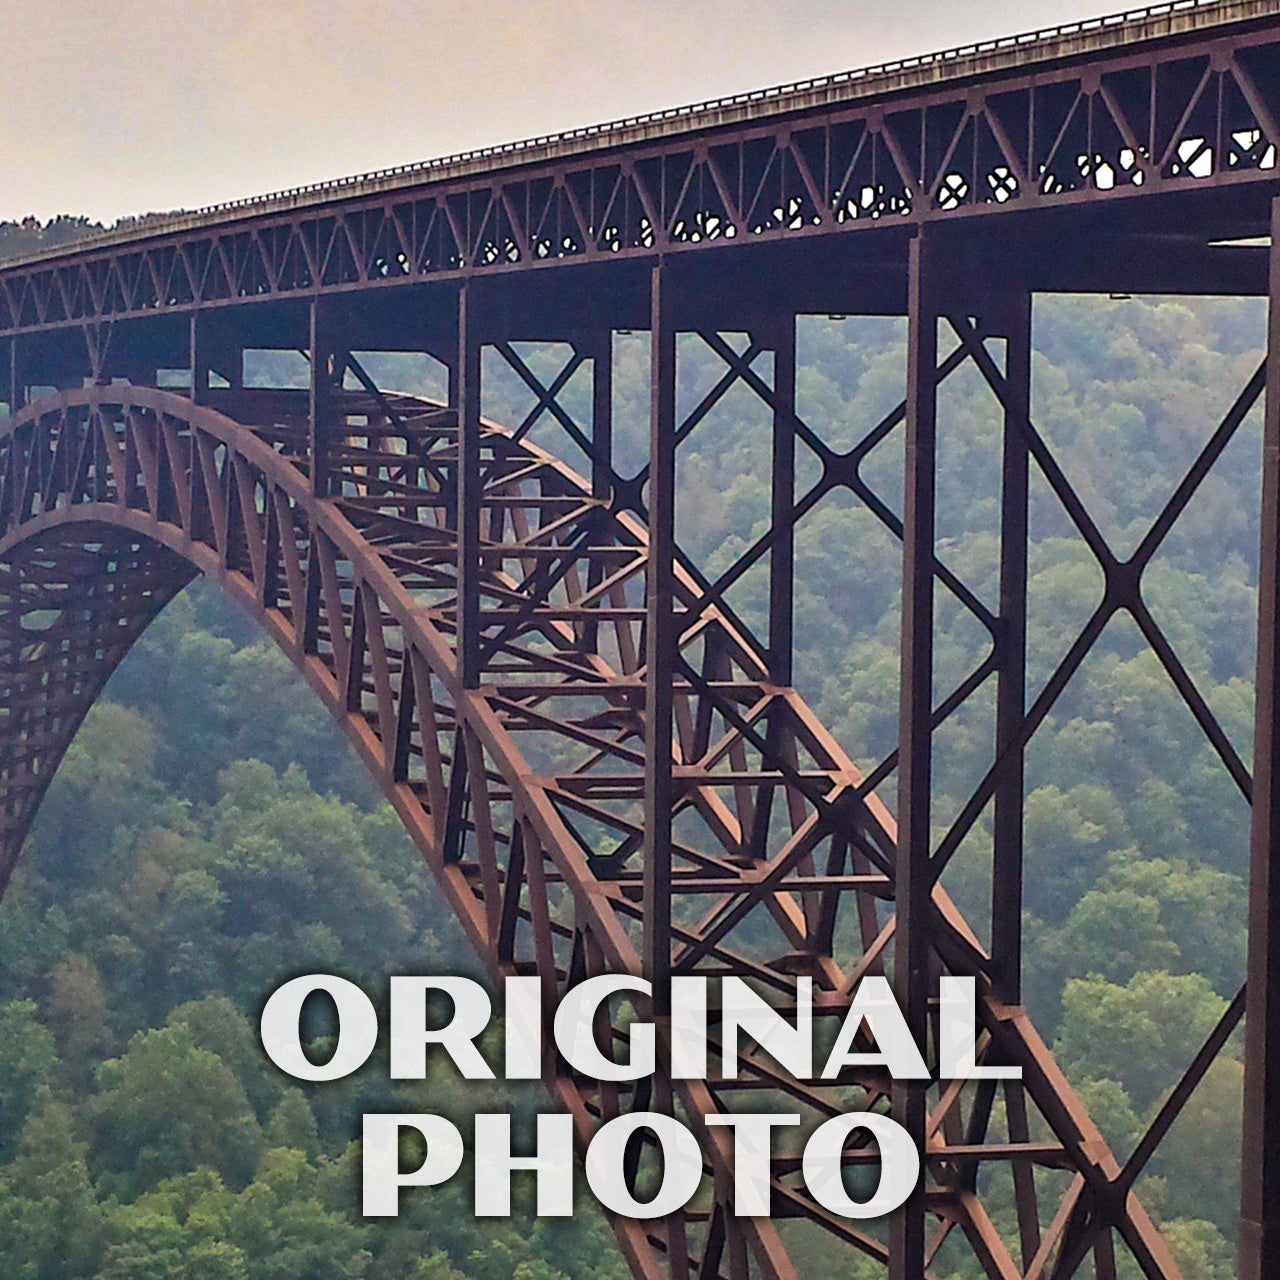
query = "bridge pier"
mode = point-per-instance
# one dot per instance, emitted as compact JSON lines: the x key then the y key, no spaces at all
{"x":198,"y":358}
{"x":465,"y":392}
{"x":324,"y":378}
{"x":1012,"y":318}
{"x":597,"y":347}
{"x":913,"y":872}
{"x":662,"y":635}
{"x":780,"y":336}
{"x":1260,"y":1172}
{"x":15,"y":381}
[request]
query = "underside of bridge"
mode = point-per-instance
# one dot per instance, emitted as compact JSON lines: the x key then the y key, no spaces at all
{"x":602,"y":757}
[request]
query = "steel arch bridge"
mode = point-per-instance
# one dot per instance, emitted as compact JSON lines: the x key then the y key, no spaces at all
{"x":603,"y":764}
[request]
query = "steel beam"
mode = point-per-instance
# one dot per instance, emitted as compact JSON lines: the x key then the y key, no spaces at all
{"x":465,"y":390}
{"x":661,"y":641}
{"x":320,"y":348}
{"x":198,"y":357}
{"x":599,"y":349}
{"x":912,"y":877}
{"x":782,"y":553}
{"x":1260,"y":1172}
{"x":15,"y":390}
{"x":1011,"y":687}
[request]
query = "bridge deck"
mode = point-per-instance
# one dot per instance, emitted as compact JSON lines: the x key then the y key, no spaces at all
{"x":1076,"y":42}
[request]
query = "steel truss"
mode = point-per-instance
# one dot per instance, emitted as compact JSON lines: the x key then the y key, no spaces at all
{"x":1185,"y":107}
{"x":606,"y":768}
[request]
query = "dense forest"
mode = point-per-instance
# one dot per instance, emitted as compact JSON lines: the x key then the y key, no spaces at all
{"x":209,"y":836}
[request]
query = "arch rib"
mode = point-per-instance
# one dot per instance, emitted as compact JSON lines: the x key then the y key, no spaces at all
{"x":524,"y":795}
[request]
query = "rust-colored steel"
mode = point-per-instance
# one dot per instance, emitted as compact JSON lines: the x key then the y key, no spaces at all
{"x":1185,"y":107}
{"x":525,"y":792}
{"x":603,"y":764}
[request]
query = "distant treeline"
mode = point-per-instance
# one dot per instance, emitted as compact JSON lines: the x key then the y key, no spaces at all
{"x":29,"y":235}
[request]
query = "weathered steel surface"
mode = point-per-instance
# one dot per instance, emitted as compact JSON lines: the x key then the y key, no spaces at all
{"x":1186,"y":101}
{"x":603,"y":764}
{"x":530,"y":788}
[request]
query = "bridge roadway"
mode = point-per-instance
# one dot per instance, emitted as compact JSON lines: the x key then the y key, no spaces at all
{"x":604,"y":764}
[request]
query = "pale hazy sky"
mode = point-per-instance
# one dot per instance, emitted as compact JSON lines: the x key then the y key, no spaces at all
{"x":110,"y":107}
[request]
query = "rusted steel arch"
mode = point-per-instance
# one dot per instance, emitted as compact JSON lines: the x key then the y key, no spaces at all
{"x":72,"y":603}
{"x":523,"y":795}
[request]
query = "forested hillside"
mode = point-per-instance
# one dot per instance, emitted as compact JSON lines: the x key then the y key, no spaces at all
{"x":209,"y":836}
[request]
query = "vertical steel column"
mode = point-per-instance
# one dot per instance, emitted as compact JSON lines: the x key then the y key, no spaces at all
{"x":198,"y":345}
{"x":783,"y":550}
{"x":601,"y":352}
{"x":466,"y":396}
{"x":661,"y":641}
{"x":15,"y":392}
{"x":319,"y":428}
{"x":912,"y":869}
{"x":1260,"y":1169}
{"x":1011,"y":687}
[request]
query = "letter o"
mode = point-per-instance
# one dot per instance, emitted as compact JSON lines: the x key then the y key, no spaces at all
{"x":681,"y":1165}
{"x":357,"y":1027}
{"x":824,"y":1158}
